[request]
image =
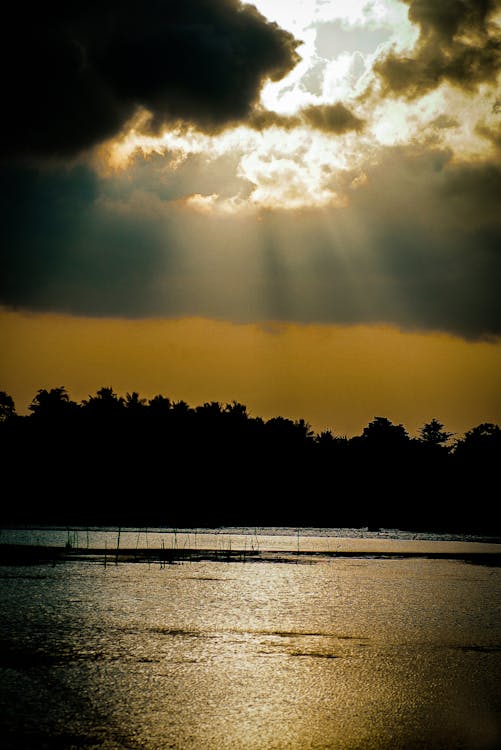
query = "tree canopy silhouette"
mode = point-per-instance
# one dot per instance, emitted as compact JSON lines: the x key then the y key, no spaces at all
{"x":125,"y":459}
{"x":433,"y":433}
{"x":7,"y":406}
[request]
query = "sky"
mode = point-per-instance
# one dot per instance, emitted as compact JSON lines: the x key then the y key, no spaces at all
{"x":294,"y":204}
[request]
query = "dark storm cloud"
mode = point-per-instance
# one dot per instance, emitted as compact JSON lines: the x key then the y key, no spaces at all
{"x":437,"y":241}
{"x":61,"y":249}
{"x":418,"y":247}
{"x":457,"y":43}
{"x":328,"y":118}
{"x":74,"y":73}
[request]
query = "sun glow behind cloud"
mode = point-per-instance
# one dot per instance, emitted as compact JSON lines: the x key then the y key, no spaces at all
{"x":295,"y":162}
{"x":344,"y":74}
{"x":280,"y":168}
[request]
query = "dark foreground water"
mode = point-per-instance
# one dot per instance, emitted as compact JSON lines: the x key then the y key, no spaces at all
{"x":355,"y":654}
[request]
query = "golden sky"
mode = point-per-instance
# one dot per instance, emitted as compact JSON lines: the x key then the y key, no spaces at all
{"x":335,"y":377}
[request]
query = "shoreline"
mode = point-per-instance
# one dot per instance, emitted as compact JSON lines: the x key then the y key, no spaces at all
{"x":24,"y":554}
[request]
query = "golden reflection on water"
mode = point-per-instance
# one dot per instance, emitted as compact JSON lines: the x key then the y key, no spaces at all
{"x":341,"y":654}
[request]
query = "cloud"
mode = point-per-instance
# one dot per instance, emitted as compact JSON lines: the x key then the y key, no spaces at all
{"x":458,"y":43}
{"x":492,"y":134}
{"x":261,"y":119}
{"x":418,"y":247}
{"x":74,"y":74}
{"x":327,"y":118}
{"x":332,"y":118}
{"x":63,"y":249}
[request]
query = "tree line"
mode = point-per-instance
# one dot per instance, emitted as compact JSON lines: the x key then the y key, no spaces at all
{"x":127,"y":460}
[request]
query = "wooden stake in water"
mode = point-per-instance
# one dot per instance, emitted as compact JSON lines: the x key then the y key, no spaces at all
{"x":118,"y":545}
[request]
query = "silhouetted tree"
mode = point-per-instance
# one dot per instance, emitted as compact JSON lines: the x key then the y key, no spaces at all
{"x":52,"y":404}
{"x":382,"y":472}
{"x":211,"y":410}
{"x":383,"y":433}
{"x":180,"y":408}
{"x":104,"y":404}
{"x":159,"y":405}
{"x":433,"y":433}
{"x":133,"y":402}
{"x":476,"y":461}
{"x":116,"y":458}
{"x":7,"y":407}
{"x":237,"y":411}
{"x":304,"y":428}
{"x":291,"y":432}
{"x":484,"y":441}
{"x":325,"y":438}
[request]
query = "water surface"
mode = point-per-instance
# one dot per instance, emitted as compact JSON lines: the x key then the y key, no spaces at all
{"x":343,"y":654}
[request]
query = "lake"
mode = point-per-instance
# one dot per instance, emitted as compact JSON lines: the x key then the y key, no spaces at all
{"x":333,"y":652}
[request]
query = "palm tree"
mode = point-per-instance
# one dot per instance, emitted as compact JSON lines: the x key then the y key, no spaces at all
{"x":133,"y":402}
{"x":52,"y":404}
{"x":159,"y":405}
{"x":104,"y":403}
